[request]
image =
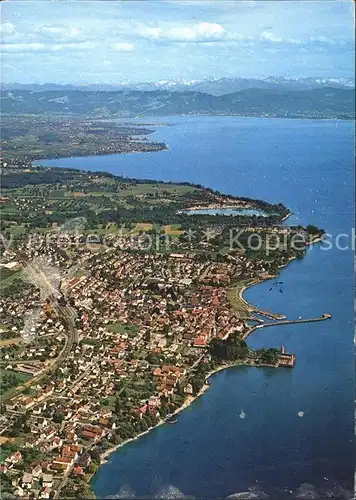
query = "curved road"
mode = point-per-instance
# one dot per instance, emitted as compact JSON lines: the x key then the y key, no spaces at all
{"x":67,"y":314}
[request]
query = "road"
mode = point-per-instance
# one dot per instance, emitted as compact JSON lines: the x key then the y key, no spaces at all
{"x":76,"y":382}
{"x":66,"y":313}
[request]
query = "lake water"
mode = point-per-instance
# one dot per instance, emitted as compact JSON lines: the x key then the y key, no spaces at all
{"x":211,"y":452}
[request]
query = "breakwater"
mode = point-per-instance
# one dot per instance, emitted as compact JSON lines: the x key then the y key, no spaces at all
{"x":323,"y":317}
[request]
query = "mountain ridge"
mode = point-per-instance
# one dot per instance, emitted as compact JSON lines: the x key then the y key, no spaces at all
{"x":213,"y":86}
{"x":324,"y":102}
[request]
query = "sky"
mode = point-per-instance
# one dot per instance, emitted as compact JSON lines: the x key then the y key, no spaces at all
{"x":88,"y":42}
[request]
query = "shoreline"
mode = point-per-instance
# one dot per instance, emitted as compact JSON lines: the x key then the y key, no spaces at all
{"x":256,"y":281}
{"x":35,"y":162}
{"x":191,"y":399}
{"x":188,"y":402}
{"x":105,"y":454}
{"x":75,"y":116}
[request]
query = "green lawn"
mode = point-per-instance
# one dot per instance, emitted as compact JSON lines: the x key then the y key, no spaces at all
{"x":7,"y":281}
{"x":18,"y":229}
{"x":108,"y":402}
{"x":238,"y":304}
{"x":6,"y":273}
{"x":95,"y":342}
{"x":138,"y":189}
{"x":122,"y":328}
{"x":4,"y":453}
{"x":8,"y":208}
{"x":5,"y":389}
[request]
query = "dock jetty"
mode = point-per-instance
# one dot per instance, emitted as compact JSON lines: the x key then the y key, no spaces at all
{"x":323,"y":317}
{"x":269,"y":314}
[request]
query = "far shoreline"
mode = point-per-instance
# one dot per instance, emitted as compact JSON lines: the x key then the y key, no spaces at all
{"x":188,"y":115}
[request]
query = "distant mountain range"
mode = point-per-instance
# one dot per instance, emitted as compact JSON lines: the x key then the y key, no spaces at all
{"x":322,"y":102}
{"x":213,"y":86}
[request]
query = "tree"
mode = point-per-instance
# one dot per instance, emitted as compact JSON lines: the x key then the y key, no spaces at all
{"x":233,"y":348}
{"x":58,"y":417}
{"x":116,"y":438}
{"x":92,"y":468}
{"x":268,"y":356}
{"x":197,"y":383}
{"x":153,"y":359}
{"x":143,"y":424}
{"x":95,"y":455}
{"x":313,"y":229}
{"x":180,"y":391}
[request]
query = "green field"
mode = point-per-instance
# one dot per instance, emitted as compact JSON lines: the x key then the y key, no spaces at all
{"x":131,"y":330}
{"x":7,"y":277}
{"x":239,"y":304}
{"x":149,"y":188}
{"x":10,"y":380}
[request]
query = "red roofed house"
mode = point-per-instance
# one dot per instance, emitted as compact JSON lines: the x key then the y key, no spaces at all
{"x":78,"y":471}
{"x":14,"y":458}
{"x":92,"y":432}
{"x":141,"y":411}
{"x":62,"y":463}
{"x":157,"y":372}
{"x":200,"y":342}
{"x":45,"y":493}
{"x":70,"y":451}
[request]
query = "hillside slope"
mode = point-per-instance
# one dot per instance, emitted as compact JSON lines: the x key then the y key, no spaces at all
{"x":325,"y":102}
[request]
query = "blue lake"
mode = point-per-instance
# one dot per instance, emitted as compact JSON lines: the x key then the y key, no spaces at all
{"x":211,"y":452}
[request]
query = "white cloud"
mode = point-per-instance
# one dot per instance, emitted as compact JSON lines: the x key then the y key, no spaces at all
{"x":176,"y":39}
{"x":270,"y":37}
{"x":267,"y":36}
{"x":322,"y":39}
{"x":7,"y":29}
{"x":202,"y":32}
{"x":210,"y":33}
{"x":61,"y":31}
{"x":22,"y":47}
{"x":295,"y":41}
{"x":42,"y":47}
{"x":154,"y":33}
{"x":123,"y":46}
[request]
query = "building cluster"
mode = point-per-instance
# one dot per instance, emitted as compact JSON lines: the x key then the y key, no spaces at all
{"x":143,"y":323}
